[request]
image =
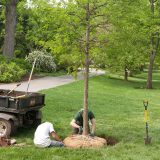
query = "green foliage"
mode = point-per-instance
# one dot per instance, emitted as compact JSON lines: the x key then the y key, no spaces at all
{"x":44,"y":60}
{"x":23,"y":45}
{"x":128,"y":45}
{"x":22,"y":64}
{"x":10,"y":72}
{"x":18,"y":61}
{"x":62,"y":35}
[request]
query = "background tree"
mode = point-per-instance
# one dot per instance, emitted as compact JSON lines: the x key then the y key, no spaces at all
{"x":154,"y":37}
{"x":1,"y":25}
{"x":128,"y":41}
{"x":10,"y":28}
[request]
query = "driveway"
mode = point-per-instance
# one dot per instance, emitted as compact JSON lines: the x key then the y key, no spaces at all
{"x":49,"y":82}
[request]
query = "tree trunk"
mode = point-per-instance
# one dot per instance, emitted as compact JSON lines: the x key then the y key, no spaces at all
{"x":86,"y":75}
{"x":151,"y":61}
{"x":126,"y":74}
{"x":141,"y":68}
{"x":150,"y":69}
{"x":152,"y":6}
{"x":10,"y":27}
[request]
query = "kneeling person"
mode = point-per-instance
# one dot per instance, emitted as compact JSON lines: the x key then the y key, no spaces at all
{"x":42,"y":136}
{"x":77,"y":123}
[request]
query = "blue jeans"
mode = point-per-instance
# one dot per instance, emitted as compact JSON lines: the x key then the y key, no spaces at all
{"x":56,"y":144}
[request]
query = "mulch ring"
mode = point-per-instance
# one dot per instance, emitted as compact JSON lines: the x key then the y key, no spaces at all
{"x":81,"y":141}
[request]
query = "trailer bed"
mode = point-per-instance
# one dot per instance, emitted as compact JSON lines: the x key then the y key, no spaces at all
{"x":20,"y":102}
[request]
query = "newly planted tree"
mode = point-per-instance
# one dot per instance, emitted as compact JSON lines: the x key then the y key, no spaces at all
{"x":88,"y":17}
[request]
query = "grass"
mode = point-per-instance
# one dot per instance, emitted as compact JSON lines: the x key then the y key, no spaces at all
{"x":119,"y":113}
{"x":144,"y":75}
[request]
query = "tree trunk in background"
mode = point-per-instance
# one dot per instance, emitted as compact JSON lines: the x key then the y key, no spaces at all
{"x":141,"y":68}
{"x":155,"y":45}
{"x":125,"y":74}
{"x":150,"y":69}
{"x":86,"y":74}
{"x":10,"y":28}
{"x":151,"y":60}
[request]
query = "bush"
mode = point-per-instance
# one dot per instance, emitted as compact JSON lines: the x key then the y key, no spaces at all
{"x":22,"y":64}
{"x":10,"y":72}
{"x":2,"y":59}
{"x":45,"y":61}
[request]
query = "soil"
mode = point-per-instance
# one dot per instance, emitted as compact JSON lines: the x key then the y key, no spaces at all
{"x":4,"y":142}
{"x":111,"y":141}
{"x":15,"y":94}
{"x":12,"y":94}
{"x":81,"y":141}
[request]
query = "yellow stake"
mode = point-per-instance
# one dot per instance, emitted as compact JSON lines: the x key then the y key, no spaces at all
{"x":146,"y":116}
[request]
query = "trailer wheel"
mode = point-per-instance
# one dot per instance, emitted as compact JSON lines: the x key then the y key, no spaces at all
{"x":13,"y":128}
{"x":5,"y":128}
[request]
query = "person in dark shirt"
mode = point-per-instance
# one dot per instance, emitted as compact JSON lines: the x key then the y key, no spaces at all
{"x":77,"y":123}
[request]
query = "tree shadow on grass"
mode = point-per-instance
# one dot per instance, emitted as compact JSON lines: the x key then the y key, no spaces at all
{"x":135,"y":83}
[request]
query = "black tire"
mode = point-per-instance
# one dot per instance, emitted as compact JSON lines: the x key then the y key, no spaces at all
{"x":13,"y":128}
{"x":5,"y":128}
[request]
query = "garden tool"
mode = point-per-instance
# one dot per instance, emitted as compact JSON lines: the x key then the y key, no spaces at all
{"x":13,"y":88}
{"x":147,"y":139}
{"x":31,"y":75}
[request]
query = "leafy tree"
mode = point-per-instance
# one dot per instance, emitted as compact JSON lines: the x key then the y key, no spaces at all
{"x":86,"y":21}
{"x":128,"y":39}
{"x":154,"y":37}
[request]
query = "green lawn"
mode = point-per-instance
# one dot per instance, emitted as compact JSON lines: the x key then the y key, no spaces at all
{"x":119,"y":113}
{"x":143,"y":75}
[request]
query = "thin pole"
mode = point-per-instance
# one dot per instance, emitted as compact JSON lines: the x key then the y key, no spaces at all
{"x":31,"y":75}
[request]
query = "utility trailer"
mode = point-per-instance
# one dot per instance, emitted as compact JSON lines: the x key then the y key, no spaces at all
{"x":18,"y":109}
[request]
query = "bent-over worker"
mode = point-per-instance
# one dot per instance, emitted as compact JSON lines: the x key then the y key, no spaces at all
{"x":77,"y":123}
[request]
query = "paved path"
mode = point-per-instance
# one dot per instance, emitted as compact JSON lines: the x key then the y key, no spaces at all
{"x":48,"y":82}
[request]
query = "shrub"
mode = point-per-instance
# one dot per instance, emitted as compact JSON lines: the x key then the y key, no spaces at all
{"x":10,"y":72}
{"x":45,"y":61}
{"x":2,"y":59}
{"x":22,"y":64}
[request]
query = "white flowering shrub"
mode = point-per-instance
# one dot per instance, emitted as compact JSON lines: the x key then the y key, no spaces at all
{"x":45,"y":61}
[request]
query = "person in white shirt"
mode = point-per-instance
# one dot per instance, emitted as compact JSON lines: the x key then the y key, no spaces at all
{"x":42,"y":136}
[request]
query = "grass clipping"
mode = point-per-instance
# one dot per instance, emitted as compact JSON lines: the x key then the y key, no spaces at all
{"x":81,"y":141}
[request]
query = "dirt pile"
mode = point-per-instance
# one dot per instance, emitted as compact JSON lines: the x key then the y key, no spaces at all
{"x":81,"y":141}
{"x":5,"y":142}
